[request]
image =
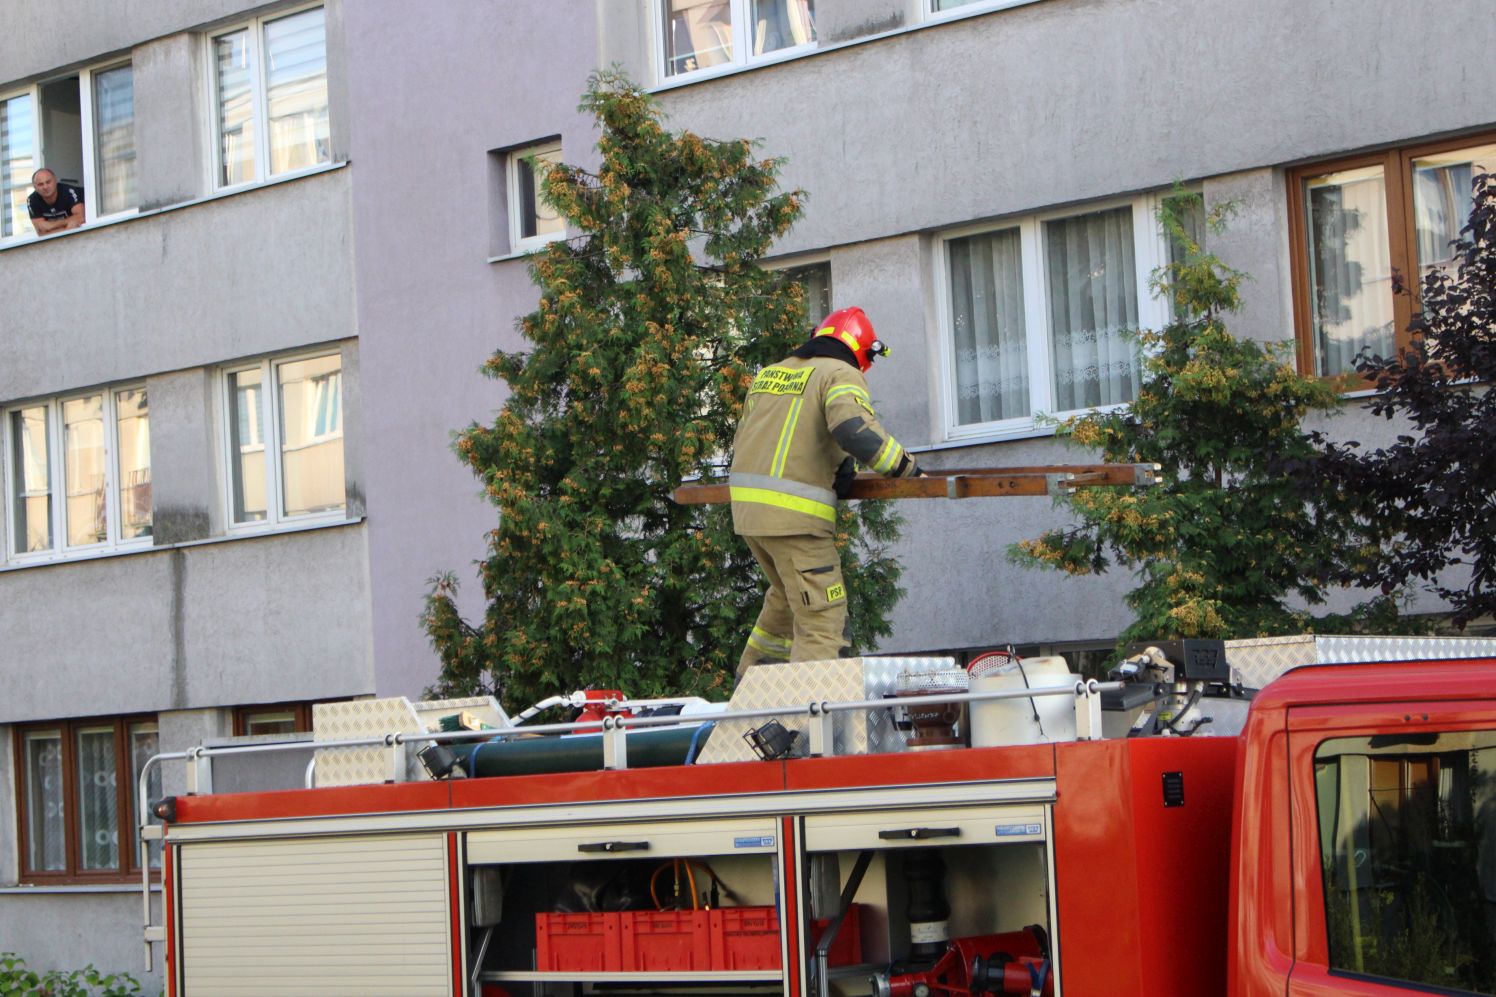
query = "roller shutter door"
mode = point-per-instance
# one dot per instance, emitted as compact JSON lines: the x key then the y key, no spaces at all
{"x":352,"y":916}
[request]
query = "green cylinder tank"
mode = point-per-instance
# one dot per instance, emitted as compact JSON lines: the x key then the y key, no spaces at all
{"x":647,"y":748}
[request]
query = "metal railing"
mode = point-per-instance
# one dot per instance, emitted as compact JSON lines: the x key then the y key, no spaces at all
{"x":821,"y":714}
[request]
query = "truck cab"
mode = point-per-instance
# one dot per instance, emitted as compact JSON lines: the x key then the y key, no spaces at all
{"x":1364,"y":839}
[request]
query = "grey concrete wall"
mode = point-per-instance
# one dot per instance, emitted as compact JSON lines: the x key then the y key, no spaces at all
{"x":41,"y":38}
{"x":55,"y":929}
{"x":187,"y":498}
{"x":430,"y":308}
{"x":253,"y":273}
{"x":262,"y":620}
{"x":1065,"y":100}
{"x":174,"y":116}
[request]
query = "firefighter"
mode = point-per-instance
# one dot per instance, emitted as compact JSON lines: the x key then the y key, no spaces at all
{"x":806,"y":420}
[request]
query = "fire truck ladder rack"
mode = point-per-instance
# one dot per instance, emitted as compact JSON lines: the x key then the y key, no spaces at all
{"x":821,"y":743}
{"x":975,"y":482}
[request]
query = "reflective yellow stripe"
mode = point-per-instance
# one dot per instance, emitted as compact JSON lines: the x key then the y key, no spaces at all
{"x":888,"y":456}
{"x":779,"y":500}
{"x":765,"y":641}
{"x":847,"y":389}
{"x":782,"y":452}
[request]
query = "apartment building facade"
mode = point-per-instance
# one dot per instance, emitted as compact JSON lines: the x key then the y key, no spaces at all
{"x":227,"y":399}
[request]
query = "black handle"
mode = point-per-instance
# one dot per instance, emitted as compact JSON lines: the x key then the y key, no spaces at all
{"x":920,"y":833}
{"x":614,"y":846}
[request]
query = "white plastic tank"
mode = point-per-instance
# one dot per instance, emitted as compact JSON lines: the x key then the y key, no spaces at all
{"x":1036,"y":720}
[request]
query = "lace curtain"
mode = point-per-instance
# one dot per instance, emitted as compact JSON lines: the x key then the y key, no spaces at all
{"x":987,"y":317}
{"x":1350,"y":269}
{"x":1093,"y":309}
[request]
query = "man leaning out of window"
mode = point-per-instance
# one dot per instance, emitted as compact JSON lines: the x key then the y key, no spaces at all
{"x":55,"y":205}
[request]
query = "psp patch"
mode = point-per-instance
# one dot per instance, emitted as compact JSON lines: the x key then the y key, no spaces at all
{"x":781,"y":381}
{"x":836,"y":592}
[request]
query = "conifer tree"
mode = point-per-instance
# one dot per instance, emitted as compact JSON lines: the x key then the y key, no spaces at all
{"x":1233,"y":532}
{"x":650,"y":326}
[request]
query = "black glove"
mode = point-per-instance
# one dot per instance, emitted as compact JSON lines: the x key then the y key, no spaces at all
{"x":845,"y":475}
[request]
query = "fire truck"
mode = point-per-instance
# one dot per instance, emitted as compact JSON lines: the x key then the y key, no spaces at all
{"x":1282,"y":816}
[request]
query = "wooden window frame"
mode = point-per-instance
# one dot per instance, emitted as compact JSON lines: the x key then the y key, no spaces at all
{"x":73,"y":874}
{"x":1402,"y":223}
{"x":302,"y":712}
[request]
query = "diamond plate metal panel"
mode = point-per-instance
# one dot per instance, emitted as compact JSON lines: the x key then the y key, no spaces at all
{"x":803,"y":682}
{"x":1258,"y":661}
{"x":361,"y":718}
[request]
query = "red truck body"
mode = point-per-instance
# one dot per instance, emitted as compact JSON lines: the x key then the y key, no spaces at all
{"x":1181,"y":867}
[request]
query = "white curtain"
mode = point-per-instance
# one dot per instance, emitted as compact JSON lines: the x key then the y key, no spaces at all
{"x":1093,"y":309}
{"x":1350,"y":270}
{"x":987,"y":325}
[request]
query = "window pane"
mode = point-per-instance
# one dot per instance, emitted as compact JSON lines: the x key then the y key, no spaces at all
{"x":17,"y":161}
{"x":236,"y":126}
{"x":1350,"y":268}
{"x":83,"y":469}
{"x":698,"y":34}
{"x":98,"y":800}
{"x":46,"y":843}
{"x":815,"y":284}
{"x":145,"y":742}
{"x":296,"y":91}
{"x":1407,"y":827}
{"x":114,"y":140}
{"x":987,"y":327}
{"x":247,"y":446}
{"x":311,"y":411}
{"x":31,"y":477}
{"x":134,"y":434}
{"x":781,"y":24}
{"x":1093,"y":309}
{"x":536,"y":218}
{"x":270,"y":722}
{"x":1441,"y":200}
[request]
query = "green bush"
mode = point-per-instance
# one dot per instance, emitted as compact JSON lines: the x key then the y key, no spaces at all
{"x":18,"y":981}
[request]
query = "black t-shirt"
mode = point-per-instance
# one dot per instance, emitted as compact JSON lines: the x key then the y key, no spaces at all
{"x":67,"y":196}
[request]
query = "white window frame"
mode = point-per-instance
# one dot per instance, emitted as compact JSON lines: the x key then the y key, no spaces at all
{"x":1150,"y":250}
{"x":254,"y":29}
{"x":90,"y":147}
{"x":57,"y":472}
{"x":515,"y":162}
{"x":930,"y":14}
{"x":741,"y":46}
{"x":87,"y":140}
{"x":275,"y":516}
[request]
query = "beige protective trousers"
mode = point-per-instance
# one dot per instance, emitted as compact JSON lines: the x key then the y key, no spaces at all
{"x":805,"y":610}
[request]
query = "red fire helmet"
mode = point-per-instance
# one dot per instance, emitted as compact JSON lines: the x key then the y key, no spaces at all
{"x":851,"y":326}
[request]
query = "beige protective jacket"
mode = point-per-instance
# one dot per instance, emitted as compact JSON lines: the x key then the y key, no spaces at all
{"x":803,"y":417}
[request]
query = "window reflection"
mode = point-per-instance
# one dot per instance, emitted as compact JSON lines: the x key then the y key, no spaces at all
{"x":83,"y":470}
{"x":311,"y":412}
{"x":31,"y":477}
{"x":247,"y":446}
{"x":45,"y":811}
{"x":1407,"y":826}
{"x":17,"y":161}
{"x":236,"y":128}
{"x":114,"y":140}
{"x":1350,"y":268}
{"x":133,"y":429}
{"x":1442,"y":199}
{"x":296,"y":91}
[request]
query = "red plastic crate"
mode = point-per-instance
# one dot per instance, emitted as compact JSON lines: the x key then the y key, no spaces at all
{"x":666,"y":940}
{"x":847,"y":949}
{"x":578,"y":943}
{"x":745,"y":938}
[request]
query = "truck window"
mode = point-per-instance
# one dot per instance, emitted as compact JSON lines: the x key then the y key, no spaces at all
{"x":1407,"y":830}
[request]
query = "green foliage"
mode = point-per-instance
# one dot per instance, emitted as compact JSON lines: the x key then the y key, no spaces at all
{"x":18,"y":981}
{"x":649,"y":328}
{"x":1220,"y":547}
{"x":1426,"y":499}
